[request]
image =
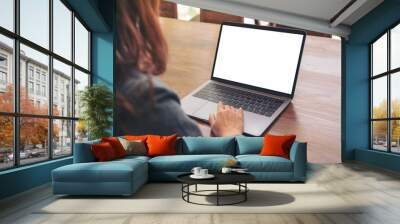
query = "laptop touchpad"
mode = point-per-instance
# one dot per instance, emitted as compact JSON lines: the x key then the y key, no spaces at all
{"x":191,"y":104}
{"x":205,"y":111}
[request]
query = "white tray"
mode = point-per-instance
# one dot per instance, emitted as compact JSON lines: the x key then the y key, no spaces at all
{"x":208,"y":176}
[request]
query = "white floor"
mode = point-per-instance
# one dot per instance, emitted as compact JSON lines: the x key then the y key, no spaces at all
{"x":377,"y":190}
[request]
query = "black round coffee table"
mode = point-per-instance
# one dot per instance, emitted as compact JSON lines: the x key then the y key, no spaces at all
{"x":238,"y":179}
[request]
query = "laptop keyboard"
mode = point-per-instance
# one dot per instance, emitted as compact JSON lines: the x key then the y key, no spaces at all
{"x":251,"y":102}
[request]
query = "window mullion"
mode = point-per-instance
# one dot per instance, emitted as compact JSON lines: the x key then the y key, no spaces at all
{"x":50,"y":81}
{"x":16,"y":70}
{"x":371,"y":98}
{"x":73,"y":82}
{"x":389,"y":100}
{"x":371,"y":137}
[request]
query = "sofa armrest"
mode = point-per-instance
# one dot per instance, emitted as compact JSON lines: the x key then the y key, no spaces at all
{"x":298,"y":155}
{"x":83,"y":152}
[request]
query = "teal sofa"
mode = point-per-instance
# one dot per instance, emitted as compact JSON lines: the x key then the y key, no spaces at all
{"x":125,"y":176}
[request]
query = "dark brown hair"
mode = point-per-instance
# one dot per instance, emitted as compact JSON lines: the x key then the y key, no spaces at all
{"x":140,"y":42}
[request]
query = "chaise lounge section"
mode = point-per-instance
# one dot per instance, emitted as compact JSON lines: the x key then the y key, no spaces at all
{"x":88,"y":177}
{"x":125,"y":176}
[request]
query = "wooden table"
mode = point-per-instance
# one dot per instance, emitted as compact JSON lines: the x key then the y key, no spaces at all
{"x":314,"y":115}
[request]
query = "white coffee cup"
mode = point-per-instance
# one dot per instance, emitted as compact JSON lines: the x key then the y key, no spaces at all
{"x":226,"y":170}
{"x":196,"y":171}
{"x":203,"y":172}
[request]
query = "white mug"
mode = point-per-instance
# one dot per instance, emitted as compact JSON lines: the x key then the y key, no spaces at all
{"x":203,"y":172}
{"x":226,"y":170}
{"x":196,"y":171}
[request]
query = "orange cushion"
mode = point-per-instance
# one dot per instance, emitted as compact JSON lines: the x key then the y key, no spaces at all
{"x":161,"y":145}
{"x":116,"y":145}
{"x":135,"y":137}
{"x":277,"y":145}
{"x":103,"y":152}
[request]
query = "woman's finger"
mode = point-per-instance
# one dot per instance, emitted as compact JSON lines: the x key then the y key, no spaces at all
{"x":241,"y":112}
{"x":211,"y":119}
{"x":220,"y":106}
{"x":224,"y":106}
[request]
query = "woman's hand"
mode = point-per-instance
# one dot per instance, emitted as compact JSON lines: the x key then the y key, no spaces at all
{"x":228,"y":121}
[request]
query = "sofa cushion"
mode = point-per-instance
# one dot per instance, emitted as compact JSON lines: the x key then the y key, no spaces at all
{"x":133,"y":158}
{"x":248,"y":145}
{"x":116,"y":145}
{"x":103,"y":152}
{"x":135,"y":137}
{"x":185,"y":163}
{"x":277,"y":145}
{"x":207,"y":145}
{"x":257,"y":163}
{"x":133,"y":147}
{"x":112,"y":171}
{"x":161,"y":145}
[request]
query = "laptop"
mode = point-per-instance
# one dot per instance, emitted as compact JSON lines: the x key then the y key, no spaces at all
{"x":255,"y":68}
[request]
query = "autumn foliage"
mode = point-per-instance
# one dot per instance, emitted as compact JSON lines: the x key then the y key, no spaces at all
{"x":33,"y":131}
{"x":380,"y":127}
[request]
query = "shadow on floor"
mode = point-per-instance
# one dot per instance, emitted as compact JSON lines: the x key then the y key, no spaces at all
{"x":255,"y":198}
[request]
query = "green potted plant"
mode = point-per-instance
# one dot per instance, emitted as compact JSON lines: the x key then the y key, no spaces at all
{"x":96,"y":103}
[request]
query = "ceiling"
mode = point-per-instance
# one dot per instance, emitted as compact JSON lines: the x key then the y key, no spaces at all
{"x":326,"y":16}
{"x":321,"y":9}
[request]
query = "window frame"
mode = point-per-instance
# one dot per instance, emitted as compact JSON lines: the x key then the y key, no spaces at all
{"x":16,"y":115}
{"x":388,"y":74}
{"x":3,"y":71}
{"x":3,"y":74}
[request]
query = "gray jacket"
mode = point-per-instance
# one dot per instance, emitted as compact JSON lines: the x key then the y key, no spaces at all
{"x":146,"y":106}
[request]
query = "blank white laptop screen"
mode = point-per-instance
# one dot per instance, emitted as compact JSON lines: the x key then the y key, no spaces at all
{"x":260,"y":58}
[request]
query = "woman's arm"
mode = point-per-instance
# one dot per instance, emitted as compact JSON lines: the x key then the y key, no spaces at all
{"x":174,"y":118}
{"x":166,"y":115}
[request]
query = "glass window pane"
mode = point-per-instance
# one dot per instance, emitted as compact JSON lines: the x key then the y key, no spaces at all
{"x":34,"y":21}
{"x":62,"y":89}
{"x":62,"y":138}
{"x":379,"y":97}
{"x":7,"y":14}
{"x":187,"y":13}
{"x":395,"y":47}
{"x":81,"y":131}
{"x":34,"y":97}
{"x":379,"y":135}
{"x":395,"y":136}
{"x":395,"y":94}
{"x":33,"y":140}
{"x":81,"y":81}
{"x":6,"y":74}
{"x":62,"y":29}
{"x":6,"y":142}
{"x":81,"y":45}
{"x":379,"y":56}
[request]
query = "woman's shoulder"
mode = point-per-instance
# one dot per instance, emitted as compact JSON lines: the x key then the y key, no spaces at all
{"x":132,"y":81}
{"x":162,"y":91}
